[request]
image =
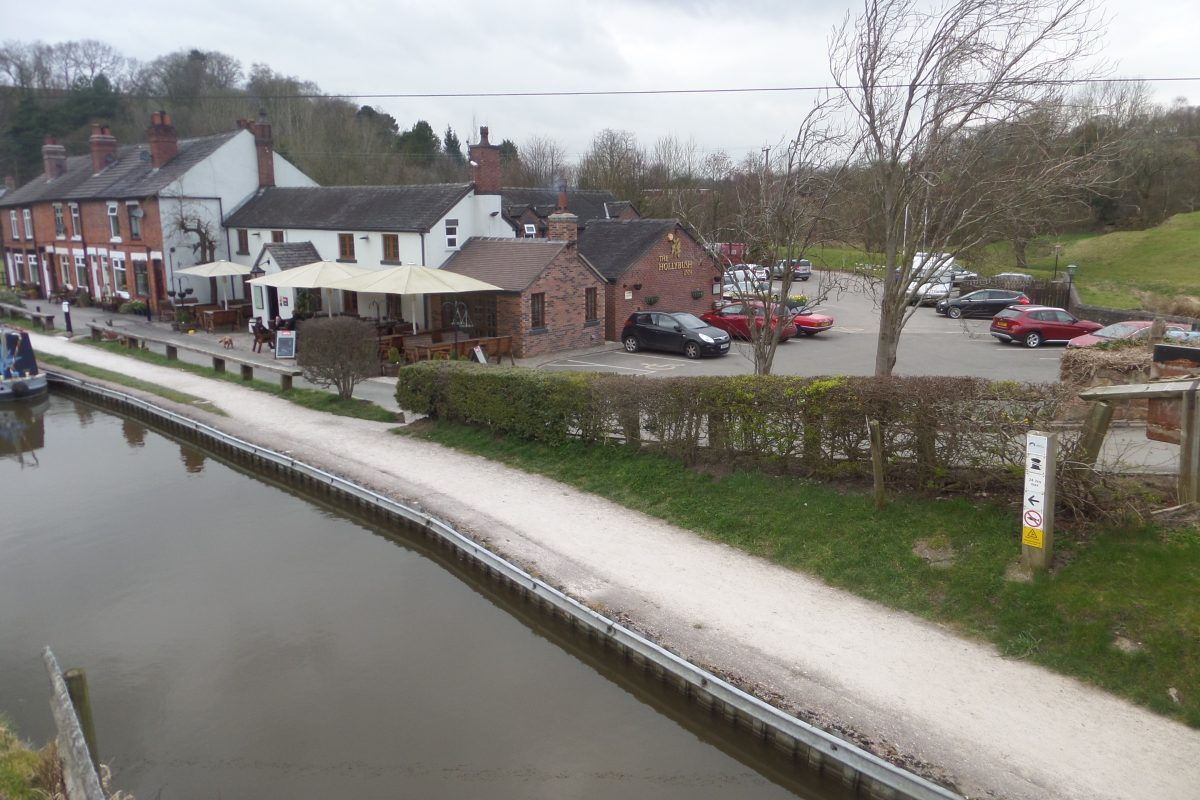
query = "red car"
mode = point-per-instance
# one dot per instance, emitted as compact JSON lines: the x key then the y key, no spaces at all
{"x":734,"y":318}
{"x":1130,"y":329}
{"x":1034,"y":325}
{"x":807,"y":323}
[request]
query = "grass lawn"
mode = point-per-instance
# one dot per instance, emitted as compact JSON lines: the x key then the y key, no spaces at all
{"x":1141,"y":584}
{"x":309,"y":398}
{"x":132,"y":383}
{"x":1126,"y":269}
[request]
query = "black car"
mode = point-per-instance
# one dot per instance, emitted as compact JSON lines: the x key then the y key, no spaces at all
{"x":983,"y":303}
{"x":675,"y":332}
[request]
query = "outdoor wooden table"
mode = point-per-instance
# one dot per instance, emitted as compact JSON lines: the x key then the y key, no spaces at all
{"x":212,"y":318}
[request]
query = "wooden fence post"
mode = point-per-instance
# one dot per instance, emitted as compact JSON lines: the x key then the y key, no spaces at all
{"x":876,"y":433}
{"x":77,"y":690}
{"x":1095,"y":428}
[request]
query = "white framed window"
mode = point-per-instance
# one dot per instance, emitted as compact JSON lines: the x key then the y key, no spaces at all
{"x":135,"y":219}
{"x":76,"y":224}
{"x":118,"y":268}
{"x":19,"y":265}
{"x":35,"y":273}
{"x":530,"y":230}
{"x":100,"y":265}
{"x":60,"y":223}
{"x":12,"y":222}
{"x":114,"y":222}
{"x":64,"y":270}
{"x":452,"y":233}
{"x":81,"y":276}
{"x":27,"y":216}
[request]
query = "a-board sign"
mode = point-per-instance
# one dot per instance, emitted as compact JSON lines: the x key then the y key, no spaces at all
{"x":285,"y":344}
{"x":478,"y":354}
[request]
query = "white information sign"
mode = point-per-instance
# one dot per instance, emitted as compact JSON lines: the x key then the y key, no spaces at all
{"x":1037,"y":500}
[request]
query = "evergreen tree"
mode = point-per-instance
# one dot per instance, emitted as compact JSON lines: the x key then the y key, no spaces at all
{"x":419,"y":145}
{"x":452,"y":147}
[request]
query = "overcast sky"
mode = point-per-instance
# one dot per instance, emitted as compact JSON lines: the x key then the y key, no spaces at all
{"x":367,"y":46}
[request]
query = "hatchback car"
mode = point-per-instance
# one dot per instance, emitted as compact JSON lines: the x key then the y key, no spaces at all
{"x":674,"y":332}
{"x":739,"y":319}
{"x":983,"y":303}
{"x":1032,"y":326}
{"x":1130,"y":329}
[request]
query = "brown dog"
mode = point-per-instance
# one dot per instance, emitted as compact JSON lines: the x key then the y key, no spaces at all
{"x":226,"y":342}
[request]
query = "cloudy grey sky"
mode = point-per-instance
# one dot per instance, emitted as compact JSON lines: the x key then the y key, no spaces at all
{"x":368,"y":46}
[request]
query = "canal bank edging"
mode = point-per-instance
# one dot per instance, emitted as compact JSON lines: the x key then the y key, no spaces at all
{"x":869,"y":775}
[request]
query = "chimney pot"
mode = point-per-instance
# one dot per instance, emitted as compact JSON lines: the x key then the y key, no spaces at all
{"x":163,"y":139}
{"x":483,"y":134}
{"x":10,"y":182}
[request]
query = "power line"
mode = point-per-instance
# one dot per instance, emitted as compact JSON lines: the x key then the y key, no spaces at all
{"x":636,"y":92}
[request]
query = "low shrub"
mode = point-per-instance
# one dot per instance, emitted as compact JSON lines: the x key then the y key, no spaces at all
{"x":132,"y":307}
{"x":11,"y":297}
{"x":940,"y":434}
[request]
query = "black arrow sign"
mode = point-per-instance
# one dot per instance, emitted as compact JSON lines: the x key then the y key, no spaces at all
{"x":1034,"y":500}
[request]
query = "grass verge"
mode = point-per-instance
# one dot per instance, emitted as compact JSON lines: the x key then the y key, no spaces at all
{"x":132,"y":383}
{"x":1135,"y":587}
{"x":308,"y":398}
{"x":25,"y":774}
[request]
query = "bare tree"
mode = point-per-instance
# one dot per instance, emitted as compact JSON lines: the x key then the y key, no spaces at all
{"x":542,"y":163}
{"x":779,"y":208}
{"x":340,"y":352}
{"x":191,"y":221}
{"x":936,"y":96}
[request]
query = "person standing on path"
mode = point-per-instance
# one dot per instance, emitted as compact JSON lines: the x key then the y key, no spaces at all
{"x":67,"y":315}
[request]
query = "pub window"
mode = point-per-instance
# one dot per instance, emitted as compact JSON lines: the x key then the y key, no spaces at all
{"x":276,"y":236}
{"x":27,"y":217}
{"x":12,"y":221}
{"x":76,"y":224}
{"x":346,"y":246}
{"x":452,"y":233}
{"x":135,"y":220}
{"x":60,"y":223}
{"x":391,"y":247}
{"x":537,"y":310}
{"x":243,"y":241}
{"x":589,"y":303}
{"x":530,"y":230}
{"x":114,"y":222}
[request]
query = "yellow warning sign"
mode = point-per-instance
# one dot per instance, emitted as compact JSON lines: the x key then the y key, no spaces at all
{"x":1032,"y":537}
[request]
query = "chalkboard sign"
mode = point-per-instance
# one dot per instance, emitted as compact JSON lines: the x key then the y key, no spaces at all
{"x":285,"y":344}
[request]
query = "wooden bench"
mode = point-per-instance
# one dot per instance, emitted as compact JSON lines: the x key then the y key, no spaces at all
{"x":219,"y":358}
{"x":36,"y":317}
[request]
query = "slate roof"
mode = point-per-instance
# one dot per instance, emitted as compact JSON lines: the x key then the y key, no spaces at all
{"x":350,"y":208}
{"x":614,"y":245}
{"x":288,"y":255}
{"x":130,"y":176}
{"x":511,"y":264}
{"x":587,"y":204}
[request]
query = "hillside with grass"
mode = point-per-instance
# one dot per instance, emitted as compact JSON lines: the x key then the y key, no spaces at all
{"x":1157,"y":269}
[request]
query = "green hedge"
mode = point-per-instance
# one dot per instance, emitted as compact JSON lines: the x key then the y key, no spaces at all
{"x":939,"y":432}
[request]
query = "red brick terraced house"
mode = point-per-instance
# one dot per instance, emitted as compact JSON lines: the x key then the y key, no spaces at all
{"x":106,"y":222}
{"x":552,"y":298}
{"x":649,"y":263}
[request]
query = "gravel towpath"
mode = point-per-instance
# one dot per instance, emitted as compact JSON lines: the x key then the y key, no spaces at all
{"x":995,"y":727}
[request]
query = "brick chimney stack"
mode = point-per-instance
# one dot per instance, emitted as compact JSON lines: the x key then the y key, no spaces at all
{"x":562,"y":225}
{"x":164,"y":141}
{"x":485,"y":172}
{"x":54,"y":158}
{"x":10,"y":183}
{"x":104,"y":147}
{"x":264,"y":147}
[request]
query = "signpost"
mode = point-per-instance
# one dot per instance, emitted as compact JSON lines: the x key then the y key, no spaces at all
{"x":1037,"y":502}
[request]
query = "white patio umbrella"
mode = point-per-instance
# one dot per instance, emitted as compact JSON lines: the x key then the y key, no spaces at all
{"x":413,"y":280}
{"x":216,"y":269}
{"x":317,"y":275}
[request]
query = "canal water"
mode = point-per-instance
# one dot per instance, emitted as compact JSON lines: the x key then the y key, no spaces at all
{"x":243,"y":641}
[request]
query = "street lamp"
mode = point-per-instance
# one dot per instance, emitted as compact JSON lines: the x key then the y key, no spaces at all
{"x":1070,"y":281}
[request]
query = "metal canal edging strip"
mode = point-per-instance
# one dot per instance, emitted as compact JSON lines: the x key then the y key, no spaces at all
{"x":869,"y":774}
